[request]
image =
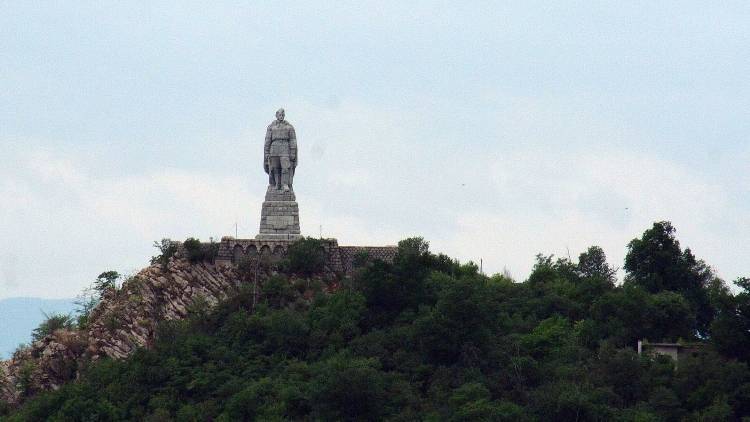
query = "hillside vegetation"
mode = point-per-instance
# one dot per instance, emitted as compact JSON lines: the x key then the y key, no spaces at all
{"x":427,"y":338}
{"x":20,"y":315}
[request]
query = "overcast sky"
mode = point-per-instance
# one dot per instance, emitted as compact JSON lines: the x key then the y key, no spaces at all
{"x":495,"y":131}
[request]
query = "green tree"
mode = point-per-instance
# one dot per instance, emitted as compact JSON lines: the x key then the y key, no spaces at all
{"x":657,"y":263}
{"x":593,"y":263}
{"x":473,"y":402}
{"x":106,"y":281}
{"x":91,"y":296}
{"x":730,"y":330}
{"x":85,"y":302}
{"x":307,"y":256}
{"x":167,"y":249}
{"x":391,"y":289}
{"x":669,"y":317}
{"x":344,"y":387}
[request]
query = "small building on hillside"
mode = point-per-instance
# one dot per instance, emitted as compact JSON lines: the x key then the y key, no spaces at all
{"x":673,"y":350}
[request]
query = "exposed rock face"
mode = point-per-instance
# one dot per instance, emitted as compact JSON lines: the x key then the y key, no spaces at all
{"x":45,"y":365}
{"x":123,"y":321}
{"x":127,"y":320}
{"x":8,"y":391}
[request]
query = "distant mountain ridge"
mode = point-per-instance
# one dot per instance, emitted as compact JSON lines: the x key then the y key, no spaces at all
{"x":20,"y":315}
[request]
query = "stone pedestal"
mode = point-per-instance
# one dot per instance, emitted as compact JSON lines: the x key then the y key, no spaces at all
{"x":279,"y":217}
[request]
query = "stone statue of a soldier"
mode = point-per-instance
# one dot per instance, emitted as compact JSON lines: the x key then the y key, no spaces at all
{"x":280,"y":153}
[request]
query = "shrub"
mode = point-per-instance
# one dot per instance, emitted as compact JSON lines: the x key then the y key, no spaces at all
{"x":4,"y":408}
{"x":247,"y":268}
{"x":199,"y":307}
{"x":92,"y":295}
{"x":85,"y":302}
{"x":51,"y":324}
{"x":211,"y":251}
{"x":193,"y":249}
{"x":113,"y":321}
{"x":167,"y":249}
{"x":106,"y":281}
{"x":20,"y":347}
{"x":25,"y":380}
{"x":307,"y":256}
{"x":198,"y":252}
{"x":361,"y":259}
{"x":277,"y":291}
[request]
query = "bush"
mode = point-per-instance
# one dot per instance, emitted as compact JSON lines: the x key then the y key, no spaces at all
{"x":198,"y":308}
{"x":361,"y":259}
{"x":86,"y":302}
{"x":51,"y":324}
{"x":106,"y":281}
{"x":167,"y":249}
{"x":277,"y":291}
{"x":25,"y":380}
{"x":211,"y":251}
{"x":4,"y":408}
{"x":193,"y":249}
{"x":113,"y":320}
{"x":199,"y":252}
{"x":92,"y":295}
{"x":307,"y":256}
{"x":20,"y":347}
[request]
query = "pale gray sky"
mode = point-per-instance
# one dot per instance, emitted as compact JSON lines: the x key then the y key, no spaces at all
{"x":496,"y":131}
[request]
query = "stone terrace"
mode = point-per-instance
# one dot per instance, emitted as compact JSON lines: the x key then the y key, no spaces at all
{"x":340,"y":258}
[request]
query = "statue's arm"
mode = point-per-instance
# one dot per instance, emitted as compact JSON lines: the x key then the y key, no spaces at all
{"x":293,"y":146}
{"x":267,"y":149}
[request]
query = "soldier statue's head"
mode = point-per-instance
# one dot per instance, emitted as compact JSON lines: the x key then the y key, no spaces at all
{"x":280,"y":114}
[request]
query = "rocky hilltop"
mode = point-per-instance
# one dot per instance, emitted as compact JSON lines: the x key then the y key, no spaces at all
{"x":124,"y":320}
{"x":127,"y":318}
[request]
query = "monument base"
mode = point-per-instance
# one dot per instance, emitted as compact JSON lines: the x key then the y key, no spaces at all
{"x":277,"y":236}
{"x":279,"y":217}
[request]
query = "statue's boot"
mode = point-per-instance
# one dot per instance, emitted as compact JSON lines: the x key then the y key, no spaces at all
{"x":285,"y":180}
{"x":277,"y":179}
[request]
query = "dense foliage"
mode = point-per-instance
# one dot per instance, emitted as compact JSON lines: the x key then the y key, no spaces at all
{"x":426,"y":338}
{"x":197,"y":251}
{"x":306,"y":256}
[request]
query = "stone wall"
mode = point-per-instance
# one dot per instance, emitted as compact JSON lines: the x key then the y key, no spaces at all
{"x":340,"y":258}
{"x":347,"y":255}
{"x":233,"y":251}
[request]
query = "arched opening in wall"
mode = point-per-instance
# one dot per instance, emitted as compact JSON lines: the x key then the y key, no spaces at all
{"x":278,"y":251}
{"x":265,"y":251}
{"x":238,"y":253}
{"x":252,"y":252}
